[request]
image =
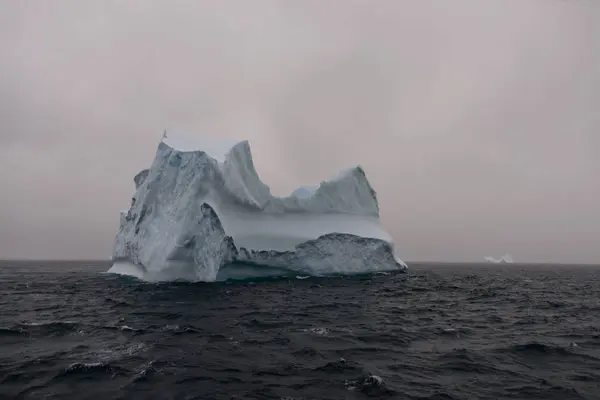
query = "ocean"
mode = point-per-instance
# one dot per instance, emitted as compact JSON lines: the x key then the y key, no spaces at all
{"x":439,"y":332}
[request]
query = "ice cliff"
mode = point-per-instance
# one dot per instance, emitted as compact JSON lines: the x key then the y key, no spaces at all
{"x":201,"y":207}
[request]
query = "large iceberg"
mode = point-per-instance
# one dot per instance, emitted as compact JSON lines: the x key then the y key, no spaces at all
{"x":201,"y":210}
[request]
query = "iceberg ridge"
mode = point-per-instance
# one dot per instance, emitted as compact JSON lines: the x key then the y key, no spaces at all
{"x":201,"y":206}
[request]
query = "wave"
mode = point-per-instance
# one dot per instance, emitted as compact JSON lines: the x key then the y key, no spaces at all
{"x":16,"y":331}
{"x":357,"y":378}
{"x":60,"y":328}
{"x":49,"y":328}
{"x":95,"y":370}
{"x":537,"y":349}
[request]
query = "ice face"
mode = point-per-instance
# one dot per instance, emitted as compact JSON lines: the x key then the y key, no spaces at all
{"x":201,"y":206}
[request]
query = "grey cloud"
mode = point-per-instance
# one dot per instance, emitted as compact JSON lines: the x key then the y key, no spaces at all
{"x":477,"y":122}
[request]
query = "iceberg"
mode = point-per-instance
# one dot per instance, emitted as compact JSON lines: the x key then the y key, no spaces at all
{"x":201,"y":209}
{"x":506,"y":259}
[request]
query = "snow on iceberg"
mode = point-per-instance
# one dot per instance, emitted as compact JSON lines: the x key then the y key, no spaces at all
{"x":201,"y":207}
{"x":506,"y":259}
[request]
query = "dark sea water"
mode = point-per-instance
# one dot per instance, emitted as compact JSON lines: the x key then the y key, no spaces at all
{"x":69,"y":331}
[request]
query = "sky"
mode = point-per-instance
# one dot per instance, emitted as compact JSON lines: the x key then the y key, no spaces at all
{"x":476,"y":121}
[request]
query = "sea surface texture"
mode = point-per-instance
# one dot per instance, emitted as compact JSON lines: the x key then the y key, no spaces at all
{"x":438,"y":332}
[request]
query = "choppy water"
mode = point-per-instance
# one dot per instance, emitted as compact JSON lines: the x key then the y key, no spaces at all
{"x":438,"y":332}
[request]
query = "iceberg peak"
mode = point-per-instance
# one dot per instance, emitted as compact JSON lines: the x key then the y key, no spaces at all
{"x":216,"y":148}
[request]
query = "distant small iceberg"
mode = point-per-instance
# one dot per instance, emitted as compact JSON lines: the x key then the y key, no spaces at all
{"x":506,"y":259}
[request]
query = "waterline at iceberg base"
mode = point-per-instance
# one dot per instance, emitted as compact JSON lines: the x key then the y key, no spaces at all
{"x":201,"y":209}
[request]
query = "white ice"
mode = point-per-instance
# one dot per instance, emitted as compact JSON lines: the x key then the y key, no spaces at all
{"x":506,"y":259}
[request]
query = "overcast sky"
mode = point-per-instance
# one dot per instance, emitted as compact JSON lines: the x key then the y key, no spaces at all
{"x":477,"y":121}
